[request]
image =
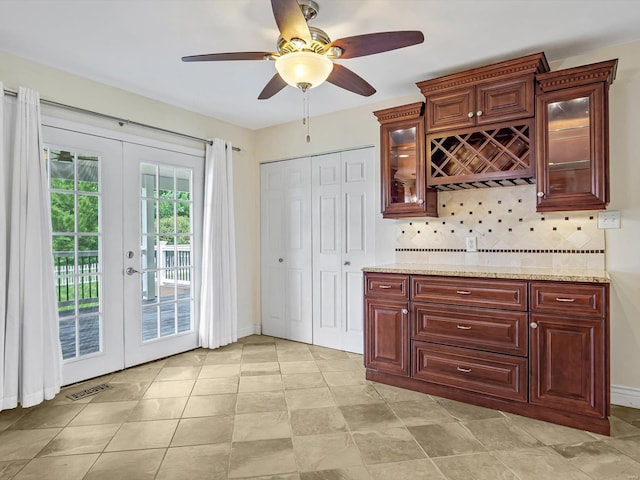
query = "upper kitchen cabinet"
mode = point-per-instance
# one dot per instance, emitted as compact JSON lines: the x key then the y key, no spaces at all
{"x":403,"y":179}
{"x":572,"y":146}
{"x":480,"y":125}
{"x":494,"y":93}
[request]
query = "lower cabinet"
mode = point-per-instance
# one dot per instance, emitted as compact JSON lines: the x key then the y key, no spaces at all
{"x":534,"y":348}
{"x":567,"y":364}
{"x":387,"y":336}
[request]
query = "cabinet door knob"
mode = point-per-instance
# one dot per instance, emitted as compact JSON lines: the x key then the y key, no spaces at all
{"x":280,"y":260}
{"x":479,"y":113}
{"x":533,"y":325}
{"x":540,"y":194}
{"x":405,"y":311}
{"x":420,"y":201}
{"x":470,"y":114}
{"x":347,"y":263}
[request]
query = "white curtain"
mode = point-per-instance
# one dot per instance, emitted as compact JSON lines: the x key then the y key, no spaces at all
{"x":218,"y":307}
{"x":30,"y":351}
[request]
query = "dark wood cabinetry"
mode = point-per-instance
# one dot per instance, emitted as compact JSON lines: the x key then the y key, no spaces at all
{"x":569,"y":347}
{"x":479,"y":124}
{"x":536,"y":348}
{"x":387,"y":336}
{"x":386,"y":333}
{"x":486,"y":102}
{"x":403,"y":179}
{"x":572,"y":146}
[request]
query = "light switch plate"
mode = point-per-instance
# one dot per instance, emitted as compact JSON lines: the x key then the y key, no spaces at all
{"x":610,"y":219}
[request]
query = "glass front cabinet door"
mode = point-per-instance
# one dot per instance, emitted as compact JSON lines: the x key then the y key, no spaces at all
{"x":572,"y":145}
{"x":402,"y":161}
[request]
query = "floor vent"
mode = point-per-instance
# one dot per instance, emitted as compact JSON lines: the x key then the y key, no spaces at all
{"x":89,"y":391}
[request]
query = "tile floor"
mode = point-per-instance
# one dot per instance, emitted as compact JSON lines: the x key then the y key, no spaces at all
{"x":265,"y":408}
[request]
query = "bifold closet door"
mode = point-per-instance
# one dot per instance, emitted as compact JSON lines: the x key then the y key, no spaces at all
{"x":343,"y":243}
{"x":285,"y":219}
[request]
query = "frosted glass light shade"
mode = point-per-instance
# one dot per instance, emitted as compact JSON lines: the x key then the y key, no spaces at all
{"x":304,"y":68}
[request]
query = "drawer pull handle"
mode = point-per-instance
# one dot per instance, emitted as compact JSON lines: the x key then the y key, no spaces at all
{"x":463,"y":327}
{"x":569,"y":300}
{"x":463,"y":292}
{"x":463,"y":370}
{"x":384,"y":286}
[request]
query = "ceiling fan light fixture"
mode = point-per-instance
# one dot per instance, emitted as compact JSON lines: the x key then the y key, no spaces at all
{"x":300,"y":68}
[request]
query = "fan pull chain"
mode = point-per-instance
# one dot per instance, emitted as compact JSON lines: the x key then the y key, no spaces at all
{"x":305,"y":112}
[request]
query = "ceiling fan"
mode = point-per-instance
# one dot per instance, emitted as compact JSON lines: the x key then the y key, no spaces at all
{"x":305,"y":54}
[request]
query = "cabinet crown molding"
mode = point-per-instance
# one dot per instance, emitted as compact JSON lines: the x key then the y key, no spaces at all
{"x":574,"y":77}
{"x":408,"y":112}
{"x":529,"y":64}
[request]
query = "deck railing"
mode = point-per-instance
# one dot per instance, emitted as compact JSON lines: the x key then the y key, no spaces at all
{"x":174,"y":266}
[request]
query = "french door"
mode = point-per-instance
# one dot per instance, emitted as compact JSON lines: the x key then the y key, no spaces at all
{"x":162,"y":228}
{"x":126,"y":222}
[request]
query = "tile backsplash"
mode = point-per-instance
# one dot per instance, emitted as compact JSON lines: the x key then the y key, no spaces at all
{"x":508,"y":231}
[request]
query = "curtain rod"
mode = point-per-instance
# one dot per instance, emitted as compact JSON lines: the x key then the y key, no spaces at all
{"x":121,"y":121}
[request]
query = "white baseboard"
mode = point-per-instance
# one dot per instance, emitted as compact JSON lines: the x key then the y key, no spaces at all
{"x":246,"y":330}
{"x":625,"y":396}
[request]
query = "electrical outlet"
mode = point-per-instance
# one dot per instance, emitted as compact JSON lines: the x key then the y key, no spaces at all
{"x":609,"y":219}
{"x":471,"y":244}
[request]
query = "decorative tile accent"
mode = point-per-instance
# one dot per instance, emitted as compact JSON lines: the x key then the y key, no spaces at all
{"x":509,"y":232}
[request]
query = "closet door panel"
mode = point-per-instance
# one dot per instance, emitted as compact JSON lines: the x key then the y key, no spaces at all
{"x":358,"y":231}
{"x":343,"y":210}
{"x":326,"y":180}
{"x":286,"y":249}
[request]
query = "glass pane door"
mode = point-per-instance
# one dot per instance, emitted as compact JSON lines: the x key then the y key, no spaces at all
{"x":86,"y":238}
{"x":162,"y":219}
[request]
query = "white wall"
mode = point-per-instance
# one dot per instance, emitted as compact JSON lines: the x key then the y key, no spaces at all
{"x":359,"y":127}
{"x":62,"y":87}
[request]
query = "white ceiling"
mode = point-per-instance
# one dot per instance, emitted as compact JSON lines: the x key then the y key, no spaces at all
{"x":137,"y":44}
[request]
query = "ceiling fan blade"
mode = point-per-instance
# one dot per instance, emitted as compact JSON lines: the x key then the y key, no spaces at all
{"x":371,"y":43}
{"x":216,"y":57}
{"x":345,"y":78}
{"x":274,"y":86}
{"x":290,"y":20}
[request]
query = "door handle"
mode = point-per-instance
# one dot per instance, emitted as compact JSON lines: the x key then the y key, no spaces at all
{"x":131,"y":271}
{"x":347,"y":263}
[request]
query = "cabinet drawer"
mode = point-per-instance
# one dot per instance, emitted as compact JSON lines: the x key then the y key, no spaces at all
{"x":504,"y":294}
{"x":502,"y":376}
{"x":498,"y":331}
{"x":569,"y":298}
{"x":388,"y":285}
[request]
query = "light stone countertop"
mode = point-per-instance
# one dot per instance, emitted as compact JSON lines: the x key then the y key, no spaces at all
{"x":520,"y":273}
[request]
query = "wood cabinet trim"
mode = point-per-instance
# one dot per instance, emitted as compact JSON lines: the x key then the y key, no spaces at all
{"x":410,"y":111}
{"x":582,"y":75}
{"x":529,"y":64}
